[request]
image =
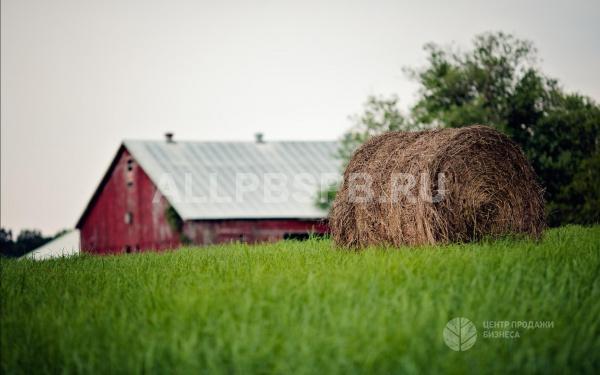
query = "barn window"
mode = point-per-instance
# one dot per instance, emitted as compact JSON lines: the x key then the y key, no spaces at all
{"x":129,"y":176}
{"x":301,"y":236}
{"x":296,"y":236}
{"x":128,"y":218}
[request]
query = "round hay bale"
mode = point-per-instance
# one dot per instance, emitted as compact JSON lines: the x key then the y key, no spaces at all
{"x":438,"y":186}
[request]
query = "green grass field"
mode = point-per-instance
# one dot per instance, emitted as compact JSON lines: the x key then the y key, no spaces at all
{"x":304,"y":307}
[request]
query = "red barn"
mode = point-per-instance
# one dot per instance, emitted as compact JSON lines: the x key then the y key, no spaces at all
{"x":162,"y":194}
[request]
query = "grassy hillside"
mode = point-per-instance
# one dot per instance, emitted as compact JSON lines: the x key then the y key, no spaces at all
{"x":303,"y":307}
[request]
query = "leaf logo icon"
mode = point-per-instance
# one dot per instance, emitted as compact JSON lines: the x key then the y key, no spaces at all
{"x":460,"y":334}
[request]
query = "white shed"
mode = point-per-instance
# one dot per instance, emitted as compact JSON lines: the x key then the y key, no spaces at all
{"x":66,"y":245}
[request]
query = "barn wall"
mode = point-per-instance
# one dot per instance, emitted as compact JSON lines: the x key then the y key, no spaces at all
{"x":128,"y":189}
{"x":206,"y":232}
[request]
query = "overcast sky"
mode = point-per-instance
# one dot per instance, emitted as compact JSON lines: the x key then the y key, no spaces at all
{"x":80,"y":76}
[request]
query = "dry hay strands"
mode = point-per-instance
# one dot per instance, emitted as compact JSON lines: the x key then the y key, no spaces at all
{"x":438,"y":186}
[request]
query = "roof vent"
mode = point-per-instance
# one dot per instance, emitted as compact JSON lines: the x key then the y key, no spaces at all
{"x":169,"y":137}
{"x":259,"y":138}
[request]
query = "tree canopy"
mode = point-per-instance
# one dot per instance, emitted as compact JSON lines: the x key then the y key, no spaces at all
{"x":26,"y":241}
{"x":498,"y":82}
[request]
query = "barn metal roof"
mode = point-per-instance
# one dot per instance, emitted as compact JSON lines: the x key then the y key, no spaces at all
{"x":239,"y":180}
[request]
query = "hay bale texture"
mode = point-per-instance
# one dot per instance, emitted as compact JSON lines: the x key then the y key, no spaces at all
{"x":469,"y":183}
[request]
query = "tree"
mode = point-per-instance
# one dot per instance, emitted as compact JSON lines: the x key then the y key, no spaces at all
{"x":498,"y":83}
{"x":26,"y":241}
{"x":29,"y":239}
{"x":6,"y":242}
{"x":482,"y":85}
{"x":380,"y":115}
{"x":565,"y":153}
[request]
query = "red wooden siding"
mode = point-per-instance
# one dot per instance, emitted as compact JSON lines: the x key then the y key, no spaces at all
{"x":208,"y":232}
{"x":123,"y":217}
{"x":104,"y":228}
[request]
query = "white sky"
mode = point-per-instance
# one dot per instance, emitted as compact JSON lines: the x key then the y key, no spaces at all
{"x":77,"y":76}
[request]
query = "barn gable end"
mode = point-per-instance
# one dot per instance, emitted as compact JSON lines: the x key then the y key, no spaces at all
{"x":126,"y":213}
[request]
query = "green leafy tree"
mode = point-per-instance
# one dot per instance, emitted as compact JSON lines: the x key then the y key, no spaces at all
{"x":7,"y":244}
{"x":565,"y":152}
{"x":482,"y":85}
{"x":27,"y":240}
{"x":176,"y":223}
{"x":498,"y":83}
{"x":380,"y":115}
